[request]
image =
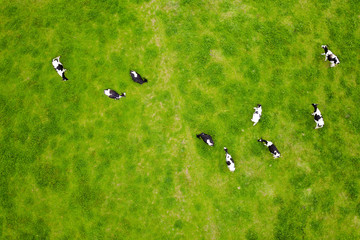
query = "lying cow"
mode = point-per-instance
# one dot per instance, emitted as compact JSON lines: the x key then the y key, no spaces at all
{"x":257,"y":114}
{"x":271,"y":146}
{"x":114,"y":95}
{"x":206,"y":138}
{"x":317,"y":117}
{"x":229,"y":161}
{"x":59,"y":68}
{"x":137,"y":78}
{"x":334,"y":60}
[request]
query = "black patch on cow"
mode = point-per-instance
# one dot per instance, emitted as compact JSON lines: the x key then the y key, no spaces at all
{"x":330,"y":58}
{"x":63,"y":77}
{"x":317,"y":117}
{"x":228,"y":162}
{"x":60,"y":67}
{"x":315,"y":106}
{"x":114,"y":94}
{"x":273,"y":149}
{"x":326,"y":49}
{"x":262,"y":140}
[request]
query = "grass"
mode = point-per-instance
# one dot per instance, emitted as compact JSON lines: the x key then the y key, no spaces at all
{"x":76,"y":164}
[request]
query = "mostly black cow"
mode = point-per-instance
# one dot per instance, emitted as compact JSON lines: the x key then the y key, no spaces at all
{"x":206,"y":138}
{"x":137,"y":77}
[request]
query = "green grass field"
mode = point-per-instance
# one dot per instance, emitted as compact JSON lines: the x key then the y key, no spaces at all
{"x":75,"y":164}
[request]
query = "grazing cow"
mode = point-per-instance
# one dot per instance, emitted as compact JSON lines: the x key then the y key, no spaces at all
{"x":317,"y":117}
{"x":137,"y":78}
{"x":206,"y":138}
{"x":59,"y":68}
{"x":334,"y":60}
{"x":114,"y":95}
{"x":257,"y":114}
{"x":229,"y":161}
{"x":271,"y":147}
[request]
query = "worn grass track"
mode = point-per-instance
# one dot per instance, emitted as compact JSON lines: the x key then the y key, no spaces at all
{"x":76,"y":164}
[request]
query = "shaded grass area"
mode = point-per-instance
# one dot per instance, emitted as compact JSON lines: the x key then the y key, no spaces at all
{"x":75,"y":164}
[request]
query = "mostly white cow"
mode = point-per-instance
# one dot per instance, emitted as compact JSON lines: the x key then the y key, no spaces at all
{"x":275,"y":152}
{"x":206,"y":138}
{"x":317,"y":117}
{"x":59,"y":68}
{"x":229,"y":161}
{"x":137,"y":77}
{"x":334,"y":60}
{"x":257,"y":114}
{"x":112,"y":94}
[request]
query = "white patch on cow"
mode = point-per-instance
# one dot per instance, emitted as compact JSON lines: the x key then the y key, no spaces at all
{"x":107,"y":92}
{"x":209,"y":142}
{"x":134,"y":73}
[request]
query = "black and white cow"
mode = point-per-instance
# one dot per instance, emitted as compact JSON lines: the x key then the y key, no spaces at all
{"x":271,"y":146}
{"x":59,"y":68}
{"x":206,"y":138}
{"x":317,"y":117}
{"x":257,"y":114}
{"x":114,"y":95}
{"x":229,"y":161}
{"x":334,"y":60}
{"x":137,"y":78}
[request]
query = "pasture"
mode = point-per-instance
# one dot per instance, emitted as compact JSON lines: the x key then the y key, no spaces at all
{"x":75,"y":164}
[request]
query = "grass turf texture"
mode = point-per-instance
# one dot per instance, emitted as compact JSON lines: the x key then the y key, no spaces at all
{"x":76,"y":164}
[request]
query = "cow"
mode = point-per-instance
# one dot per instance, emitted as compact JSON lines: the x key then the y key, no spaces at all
{"x":114,"y":95}
{"x":275,"y":152}
{"x":229,"y":161}
{"x":137,"y":78}
{"x":334,"y":60}
{"x":257,"y":114}
{"x":317,"y":117}
{"x":206,"y":138}
{"x":59,"y":68}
